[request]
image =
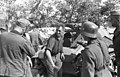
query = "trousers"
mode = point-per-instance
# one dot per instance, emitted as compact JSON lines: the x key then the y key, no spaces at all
{"x":51,"y":72}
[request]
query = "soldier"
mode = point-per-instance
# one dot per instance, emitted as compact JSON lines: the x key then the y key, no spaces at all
{"x":14,"y":50}
{"x":115,"y":20}
{"x":95,"y":56}
{"x":54,"y":52}
{"x":35,"y":39}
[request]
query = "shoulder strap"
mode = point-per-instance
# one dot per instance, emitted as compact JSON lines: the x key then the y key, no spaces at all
{"x":105,"y":52}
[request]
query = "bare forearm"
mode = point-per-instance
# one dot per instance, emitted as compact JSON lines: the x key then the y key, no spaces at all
{"x":48,"y":53}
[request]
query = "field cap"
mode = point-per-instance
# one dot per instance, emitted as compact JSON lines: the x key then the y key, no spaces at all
{"x":22,"y":22}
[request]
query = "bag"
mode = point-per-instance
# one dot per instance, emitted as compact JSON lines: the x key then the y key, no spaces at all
{"x":41,"y":52}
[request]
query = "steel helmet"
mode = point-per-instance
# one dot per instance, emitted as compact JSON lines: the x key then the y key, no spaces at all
{"x":89,"y":29}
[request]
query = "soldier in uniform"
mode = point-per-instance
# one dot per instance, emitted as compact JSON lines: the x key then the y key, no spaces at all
{"x":115,"y":20}
{"x":35,"y":39}
{"x":14,"y":50}
{"x":95,"y":57}
{"x":54,"y":52}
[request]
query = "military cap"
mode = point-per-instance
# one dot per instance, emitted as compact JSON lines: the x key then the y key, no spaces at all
{"x":22,"y":22}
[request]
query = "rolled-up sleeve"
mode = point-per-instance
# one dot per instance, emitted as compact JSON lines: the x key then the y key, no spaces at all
{"x":29,"y":50}
{"x":50,"y":44}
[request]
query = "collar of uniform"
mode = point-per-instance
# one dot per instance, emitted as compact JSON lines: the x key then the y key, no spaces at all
{"x":16,"y":32}
{"x":92,"y":41}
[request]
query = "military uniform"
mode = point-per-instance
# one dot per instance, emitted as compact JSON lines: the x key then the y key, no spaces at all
{"x":93,"y":64}
{"x":95,"y":57}
{"x":116,"y":45}
{"x":115,"y":15}
{"x":35,"y":39}
{"x":13,"y":55}
{"x":56,"y":47}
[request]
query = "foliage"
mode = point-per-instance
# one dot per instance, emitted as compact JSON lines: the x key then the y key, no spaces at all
{"x":107,"y":8}
{"x":69,"y":11}
{"x":75,"y":11}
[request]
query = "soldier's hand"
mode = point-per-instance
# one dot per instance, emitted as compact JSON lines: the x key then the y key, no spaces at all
{"x":29,"y":60}
{"x":62,"y":56}
{"x":55,"y":68}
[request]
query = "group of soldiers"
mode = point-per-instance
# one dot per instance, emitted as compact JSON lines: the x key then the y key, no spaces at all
{"x":18,"y":46}
{"x":16,"y":49}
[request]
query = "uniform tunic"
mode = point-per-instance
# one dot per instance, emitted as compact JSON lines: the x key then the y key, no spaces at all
{"x":55,"y":46}
{"x":116,"y":45}
{"x":35,"y":39}
{"x":93,"y":60}
{"x":13,"y":55}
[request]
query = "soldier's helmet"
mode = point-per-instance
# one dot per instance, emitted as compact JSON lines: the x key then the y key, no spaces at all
{"x":89,"y":29}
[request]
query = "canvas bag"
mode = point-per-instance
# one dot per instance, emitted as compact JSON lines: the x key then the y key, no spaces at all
{"x":41,"y":52}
